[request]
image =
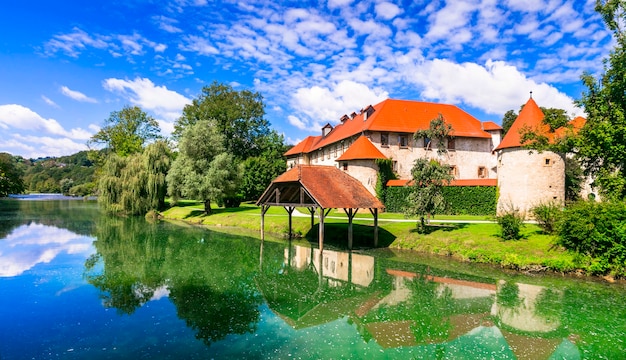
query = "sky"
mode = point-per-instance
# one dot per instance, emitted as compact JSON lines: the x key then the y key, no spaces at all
{"x":66,"y":65}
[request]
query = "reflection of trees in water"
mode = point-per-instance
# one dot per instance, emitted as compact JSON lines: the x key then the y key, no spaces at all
{"x":132,"y":253}
{"x":76,"y":216}
{"x":208,"y":275}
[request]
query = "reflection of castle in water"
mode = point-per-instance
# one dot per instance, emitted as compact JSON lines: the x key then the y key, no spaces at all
{"x":428,"y":309}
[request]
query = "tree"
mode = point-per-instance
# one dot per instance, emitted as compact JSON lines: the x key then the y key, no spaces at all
{"x":127,"y":131}
{"x":508,"y":120}
{"x":203,"y":170}
{"x":10,"y":176}
{"x":430,"y":176}
{"x":135,"y":184}
{"x":600,"y":146}
{"x":238,"y":115}
{"x":259,"y":171}
{"x":426,"y":196}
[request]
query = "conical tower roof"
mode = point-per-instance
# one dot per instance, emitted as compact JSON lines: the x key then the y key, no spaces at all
{"x":531,"y":117}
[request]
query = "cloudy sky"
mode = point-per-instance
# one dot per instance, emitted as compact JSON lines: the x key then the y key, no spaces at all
{"x":66,"y":65}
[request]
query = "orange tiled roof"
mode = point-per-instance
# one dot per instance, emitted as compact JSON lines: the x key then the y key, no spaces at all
{"x":490,"y":126}
{"x":328,"y":186}
{"x":575,"y":125}
{"x":402,"y":116}
{"x":456,"y":182}
{"x":530,"y":117}
{"x":362,"y":149}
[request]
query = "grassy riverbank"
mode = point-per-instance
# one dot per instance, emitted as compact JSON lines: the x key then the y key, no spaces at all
{"x":467,"y":238}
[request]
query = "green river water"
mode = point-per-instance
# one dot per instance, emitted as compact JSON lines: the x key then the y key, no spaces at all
{"x":76,"y":284}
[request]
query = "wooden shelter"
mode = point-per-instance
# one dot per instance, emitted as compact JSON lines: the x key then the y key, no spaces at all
{"x":319,"y":189}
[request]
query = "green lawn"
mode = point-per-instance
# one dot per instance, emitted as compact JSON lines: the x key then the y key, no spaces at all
{"x":476,"y":242}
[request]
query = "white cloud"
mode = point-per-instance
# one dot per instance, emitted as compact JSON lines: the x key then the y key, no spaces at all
{"x":13,"y":116}
{"x":200,"y":45}
{"x":387,"y":10}
{"x":167,"y":24}
{"x":76,"y":95}
{"x":49,"y":102}
{"x":319,"y":105}
{"x":145,"y":94}
{"x":494,"y":88}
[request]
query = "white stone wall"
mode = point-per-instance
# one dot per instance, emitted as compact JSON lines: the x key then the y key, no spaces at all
{"x":366,"y":171}
{"x":526,"y":179}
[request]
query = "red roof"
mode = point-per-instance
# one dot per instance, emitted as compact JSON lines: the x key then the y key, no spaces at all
{"x":362,"y":149}
{"x":531,"y":117}
{"x":456,"y":182}
{"x":575,"y":125}
{"x":402,"y":116}
{"x":328,"y":186}
{"x":491,"y":126}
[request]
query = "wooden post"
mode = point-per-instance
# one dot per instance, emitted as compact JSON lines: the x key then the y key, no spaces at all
{"x":264,"y":209}
{"x":375,"y":227}
{"x":351,"y":215}
{"x":312,"y":211}
{"x":290,"y":210}
{"x":320,"y":238}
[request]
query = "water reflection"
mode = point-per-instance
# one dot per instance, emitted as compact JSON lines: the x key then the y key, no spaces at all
{"x":231,"y":291}
{"x":28,"y":245}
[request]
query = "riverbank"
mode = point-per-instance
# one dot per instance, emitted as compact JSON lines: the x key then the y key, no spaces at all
{"x":467,"y":238}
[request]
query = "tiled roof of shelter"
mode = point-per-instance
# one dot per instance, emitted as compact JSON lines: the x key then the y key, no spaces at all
{"x":402,"y":116}
{"x":326,"y":186}
{"x":362,"y":149}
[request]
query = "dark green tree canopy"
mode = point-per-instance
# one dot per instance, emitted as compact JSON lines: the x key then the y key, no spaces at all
{"x":508,"y":120}
{"x":10,"y":175}
{"x":238,"y":115}
{"x":601,"y":146}
{"x":127,"y":131}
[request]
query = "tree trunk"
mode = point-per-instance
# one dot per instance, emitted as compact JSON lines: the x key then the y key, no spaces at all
{"x":207,"y":207}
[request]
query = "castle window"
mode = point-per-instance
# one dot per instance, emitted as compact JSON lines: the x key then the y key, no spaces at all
{"x":335,"y":151}
{"x":395,"y":166}
{"x":427,"y":143}
{"x":482,"y":172}
{"x":547,"y":162}
{"x":403,"y":141}
{"x":384,"y":139}
{"x":451,"y":144}
{"x":454,"y":171}
{"x":345,"y":166}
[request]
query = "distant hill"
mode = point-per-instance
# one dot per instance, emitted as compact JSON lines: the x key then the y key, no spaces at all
{"x":70,"y":175}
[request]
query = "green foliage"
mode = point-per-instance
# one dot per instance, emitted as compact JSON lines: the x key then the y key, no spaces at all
{"x":547,"y":215}
{"x":507,"y":121}
{"x":555,"y":118}
{"x":601,"y":145}
{"x":48,"y":174}
{"x":385,"y":173}
{"x":10,"y":175}
{"x":438,"y":130}
{"x":426,"y":196}
{"x":135,"y":184}
{"x":259,"y":171}
{"x":238,"y":115}
{"x":127,"y":131}
{"x":596,"y":229}
{"x":511,"y":222}
{"x":574,"y":176}
{"x":203,"y":170}
{"x":460,"y":200}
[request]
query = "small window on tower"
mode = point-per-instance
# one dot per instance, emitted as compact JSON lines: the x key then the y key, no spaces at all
{"x":345,"y":166}
{"x":547,"y":162}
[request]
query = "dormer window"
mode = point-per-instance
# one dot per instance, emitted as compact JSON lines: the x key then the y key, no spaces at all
{"x":327,"y":129}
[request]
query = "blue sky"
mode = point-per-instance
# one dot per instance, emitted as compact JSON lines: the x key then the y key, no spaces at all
{"x":65,"y":66}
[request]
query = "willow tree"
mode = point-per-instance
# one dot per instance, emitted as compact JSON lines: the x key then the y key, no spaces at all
{"x":203,"y":170}
{"x":135,"y":184}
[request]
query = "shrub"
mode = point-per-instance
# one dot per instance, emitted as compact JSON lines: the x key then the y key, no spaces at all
{"x":547,"y":215}
{"x":597,"y":229}
{"x":511,"y":221}
{"x":461,"y":200}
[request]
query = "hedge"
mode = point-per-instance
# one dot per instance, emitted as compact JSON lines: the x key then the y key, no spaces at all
{"x":461,"y":200}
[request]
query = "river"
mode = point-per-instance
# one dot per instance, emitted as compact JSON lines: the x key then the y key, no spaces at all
{"x":76,"y":284}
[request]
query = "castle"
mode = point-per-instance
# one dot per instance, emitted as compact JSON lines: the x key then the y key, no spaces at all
{"x":477,"y":154}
